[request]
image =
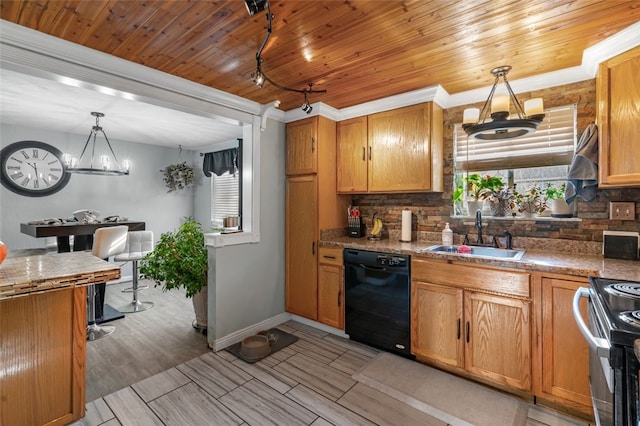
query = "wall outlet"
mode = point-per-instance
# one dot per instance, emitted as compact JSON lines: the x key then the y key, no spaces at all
{"x":619,"y":210}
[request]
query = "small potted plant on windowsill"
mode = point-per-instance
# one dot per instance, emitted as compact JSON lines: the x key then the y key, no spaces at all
{"x":531,"y":202}
{"x":555,"y":195}
{"x":478,"y":187}
{"x":180,"y":261}
{"x":500,"y":200}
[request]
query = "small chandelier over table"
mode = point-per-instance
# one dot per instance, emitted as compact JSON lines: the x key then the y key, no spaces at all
{"x":476,"y":122}
{"x":105,"y":166}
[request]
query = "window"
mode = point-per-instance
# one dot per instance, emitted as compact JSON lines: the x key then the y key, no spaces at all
{"x":539,"y":158}
{"x":225,"y":197}
{"x":224,"y":167}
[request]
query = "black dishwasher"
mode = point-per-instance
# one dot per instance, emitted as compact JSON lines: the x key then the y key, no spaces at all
{"x":377,"y":300}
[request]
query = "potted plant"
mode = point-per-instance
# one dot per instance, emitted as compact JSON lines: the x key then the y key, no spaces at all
{"x":530,"y":202}
{"x":477,"y":185}
{"x":500,"y":199}
{"x":178,"y":176}
{"x":555,"y":195}
{"x":179,"y":261}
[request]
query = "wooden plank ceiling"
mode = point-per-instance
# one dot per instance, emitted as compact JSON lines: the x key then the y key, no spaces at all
{"x":358,"y":50}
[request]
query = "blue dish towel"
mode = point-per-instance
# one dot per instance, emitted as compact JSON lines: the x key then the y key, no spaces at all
{"x":582,"y":179}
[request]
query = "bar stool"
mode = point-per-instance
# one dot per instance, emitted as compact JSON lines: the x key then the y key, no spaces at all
{"x":139,"y":243}
{"x":107,"y":242}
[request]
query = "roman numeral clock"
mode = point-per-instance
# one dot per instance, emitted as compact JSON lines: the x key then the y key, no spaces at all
{"x":32,"y":168}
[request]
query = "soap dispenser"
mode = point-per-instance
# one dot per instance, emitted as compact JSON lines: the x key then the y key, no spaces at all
{"x":447,"y":235}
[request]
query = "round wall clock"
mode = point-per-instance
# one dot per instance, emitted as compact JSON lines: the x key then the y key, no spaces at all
{"x":32,"y":168}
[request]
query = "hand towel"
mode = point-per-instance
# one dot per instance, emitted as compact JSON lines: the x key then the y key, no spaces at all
{"x":582,"y":179}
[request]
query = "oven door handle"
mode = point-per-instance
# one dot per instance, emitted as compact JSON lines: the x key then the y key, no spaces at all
{"x":600,"y":345}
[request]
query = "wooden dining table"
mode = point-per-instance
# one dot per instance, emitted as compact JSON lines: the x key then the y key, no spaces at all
{"x":82,"y":232}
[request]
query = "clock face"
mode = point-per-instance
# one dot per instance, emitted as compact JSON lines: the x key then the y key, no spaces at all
{"x":32,"y":168}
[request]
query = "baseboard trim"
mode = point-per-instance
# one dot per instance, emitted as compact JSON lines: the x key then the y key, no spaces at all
{"x":319,"y":326}
{"x":237,"y":336}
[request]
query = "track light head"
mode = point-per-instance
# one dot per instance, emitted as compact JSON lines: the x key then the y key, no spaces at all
{"x":255,"y":6}
{"x":307,"y":108}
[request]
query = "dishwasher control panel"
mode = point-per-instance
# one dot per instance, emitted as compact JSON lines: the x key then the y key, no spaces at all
{"x":389,"y":260}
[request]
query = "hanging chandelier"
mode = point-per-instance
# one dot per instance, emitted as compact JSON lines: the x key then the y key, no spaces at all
{"x":259,"y":77}
{"x":104,"y":166}
{"x":480,"y":124}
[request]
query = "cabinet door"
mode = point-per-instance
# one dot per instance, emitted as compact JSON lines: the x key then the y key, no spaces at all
{"x":302,"y":149}
{"x":301,"y":296}
{"x":497,"y":332}
{"x":618,"y":101}
{"x":399,"y":158}
{"x":436,"y":323}
{"x":331,"y":295}
{"x":352,"y":156}
{"x":565,"y":353}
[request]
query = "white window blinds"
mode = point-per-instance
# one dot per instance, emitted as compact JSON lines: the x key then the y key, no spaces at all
{"x":225,"y":191}
{"x":551,"y":145}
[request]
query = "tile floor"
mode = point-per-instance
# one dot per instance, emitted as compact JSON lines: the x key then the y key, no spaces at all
{"x":307,"y":383}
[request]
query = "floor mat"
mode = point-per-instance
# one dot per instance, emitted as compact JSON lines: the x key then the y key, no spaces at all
{"x":282,"y":340}
{"x":457,"y":401}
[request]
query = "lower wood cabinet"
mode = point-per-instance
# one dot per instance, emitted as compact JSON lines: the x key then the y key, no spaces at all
{"x":466,"y":329}
{"x":562,"y":373}
{"x":42,"y":358}
{"x":331,"y":287}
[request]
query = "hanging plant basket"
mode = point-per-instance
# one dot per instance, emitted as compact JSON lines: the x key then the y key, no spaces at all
{"x":178,"y":176}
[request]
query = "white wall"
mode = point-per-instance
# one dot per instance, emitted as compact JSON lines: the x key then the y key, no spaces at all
{"x":246,"y":282}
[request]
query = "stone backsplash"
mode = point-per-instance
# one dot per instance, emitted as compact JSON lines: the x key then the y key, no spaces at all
{"x":431,"y":210}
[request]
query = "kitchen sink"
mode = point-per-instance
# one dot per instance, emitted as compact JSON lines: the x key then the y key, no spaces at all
{"x":499,"y":253}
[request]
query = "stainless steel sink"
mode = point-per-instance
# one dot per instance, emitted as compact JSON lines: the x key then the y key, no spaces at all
{"x":499,"y":253}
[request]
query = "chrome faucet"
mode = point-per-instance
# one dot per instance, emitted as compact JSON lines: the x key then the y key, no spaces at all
{"x":479,"y":226}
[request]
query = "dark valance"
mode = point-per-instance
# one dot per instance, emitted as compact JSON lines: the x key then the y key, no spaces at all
{"x":220,"y":162}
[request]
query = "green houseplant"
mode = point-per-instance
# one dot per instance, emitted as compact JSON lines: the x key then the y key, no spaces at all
{"x":478,"y":187}
{"x":555,"y":195}
{"x":179,"y":261}
{"x":530,"y":202}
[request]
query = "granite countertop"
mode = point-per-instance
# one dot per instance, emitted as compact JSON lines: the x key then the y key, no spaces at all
{"x":583,"y":265}
{"x":20,"y":276}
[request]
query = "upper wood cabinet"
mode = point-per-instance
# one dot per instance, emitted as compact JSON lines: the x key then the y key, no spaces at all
{"x":352,"y":155}
{"x":398,"y":151}
{"x":618,"y":104}
{"x":302,"y":149}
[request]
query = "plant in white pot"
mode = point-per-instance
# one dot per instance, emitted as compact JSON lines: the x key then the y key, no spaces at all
{"x":179,"y":261}
{"x":555,"y":197}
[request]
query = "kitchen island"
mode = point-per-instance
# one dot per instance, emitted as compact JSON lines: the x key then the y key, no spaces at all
{"x":43,"y":332}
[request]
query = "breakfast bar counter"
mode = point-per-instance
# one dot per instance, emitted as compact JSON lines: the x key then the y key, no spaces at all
{"x":43,"y":329}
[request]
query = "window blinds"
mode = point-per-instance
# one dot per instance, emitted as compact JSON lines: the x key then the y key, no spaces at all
{"x":551,"y":145}
{"x":225,"y":197}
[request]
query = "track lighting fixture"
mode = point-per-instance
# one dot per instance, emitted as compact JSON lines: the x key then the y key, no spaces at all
{"x":259,"y":77}
{"x":255,"y":6}
{"x":306,"y":107}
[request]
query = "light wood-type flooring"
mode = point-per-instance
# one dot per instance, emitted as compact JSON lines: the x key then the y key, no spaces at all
{"x":160,"y":372}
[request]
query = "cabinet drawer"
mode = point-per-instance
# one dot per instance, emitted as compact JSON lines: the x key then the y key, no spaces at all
{"x":504,"y":281}
{"x":330,"y":255}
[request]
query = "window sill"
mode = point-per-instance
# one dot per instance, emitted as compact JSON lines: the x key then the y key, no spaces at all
{"x":522,"y":218}
{"x":221,"y":240}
